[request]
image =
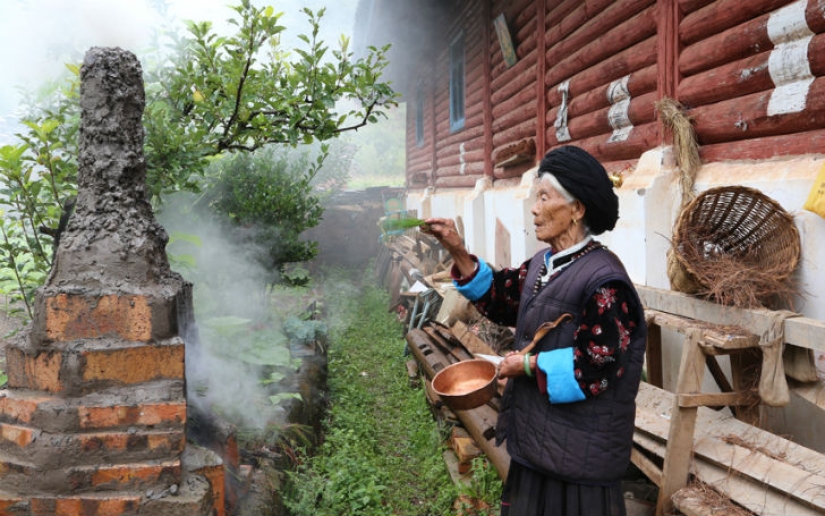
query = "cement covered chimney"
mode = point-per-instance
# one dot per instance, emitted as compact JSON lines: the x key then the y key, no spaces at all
{"x":93,"y":419}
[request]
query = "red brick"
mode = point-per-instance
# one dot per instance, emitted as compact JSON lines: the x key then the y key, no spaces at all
{"x":22,"y":436}
{"x":156,"y":414}
{"x":135,"y":364}
{"x":215,"y":476}
{"x":12,"y":505}
{"x":172,"y":441}
{"x":86,"y":506}
{"x":19,"y":409}
{"x":130,"y":474}
{"x":37,"y":372}
{"x":70,"y":317}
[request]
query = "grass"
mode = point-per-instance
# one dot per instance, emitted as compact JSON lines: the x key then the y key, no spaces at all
{"x":382,"y":448}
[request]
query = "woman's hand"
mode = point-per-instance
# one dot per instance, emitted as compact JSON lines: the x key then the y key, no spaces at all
{"x":445,"y":232}
{"x":513,"y":365}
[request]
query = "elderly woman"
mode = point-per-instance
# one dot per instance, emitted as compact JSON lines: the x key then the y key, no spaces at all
{"x":568,"y":409}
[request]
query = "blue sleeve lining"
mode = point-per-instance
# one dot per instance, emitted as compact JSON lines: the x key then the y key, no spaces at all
{"x":479,"y":285}
{"x":562,"y":386}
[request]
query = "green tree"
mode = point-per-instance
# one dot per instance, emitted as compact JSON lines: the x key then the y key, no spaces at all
{"x":215,"y":95}
{"x":267,"y":200}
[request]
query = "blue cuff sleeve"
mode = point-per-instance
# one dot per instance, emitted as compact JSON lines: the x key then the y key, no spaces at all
{"x":479,"y":285}
{"x":562,"y":386}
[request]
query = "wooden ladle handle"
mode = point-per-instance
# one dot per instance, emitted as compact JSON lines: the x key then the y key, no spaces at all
{"x":542,"y":331}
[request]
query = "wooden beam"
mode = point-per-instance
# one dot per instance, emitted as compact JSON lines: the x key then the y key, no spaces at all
{"x":647,"y":466}
{"x":682,"y":424}
{"x":751,"y":495}
{"x":763,"y":471}
{"x":799,"y":331}
{"x":717,"y":399}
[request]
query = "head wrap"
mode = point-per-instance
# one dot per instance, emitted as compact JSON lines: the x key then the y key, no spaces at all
{"x":585,"y":179}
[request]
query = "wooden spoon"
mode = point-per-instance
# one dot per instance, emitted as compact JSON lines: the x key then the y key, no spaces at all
{"x":542,"y":331}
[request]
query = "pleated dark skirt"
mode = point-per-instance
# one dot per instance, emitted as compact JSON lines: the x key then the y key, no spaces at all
{"x":529,"y":493}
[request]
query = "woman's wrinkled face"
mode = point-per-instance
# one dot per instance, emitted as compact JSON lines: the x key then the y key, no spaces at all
{"x":552,"y":213}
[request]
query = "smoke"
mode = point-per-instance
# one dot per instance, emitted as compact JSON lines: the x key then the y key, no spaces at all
{"x":238,"y":337}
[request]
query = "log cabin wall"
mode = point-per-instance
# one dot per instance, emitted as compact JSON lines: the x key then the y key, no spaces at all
{"x":750,"y":77}
{"x":766,"y":65}
{"x":749,"y":74}
{"x":601,"y":79}
{"x":513,"y":89}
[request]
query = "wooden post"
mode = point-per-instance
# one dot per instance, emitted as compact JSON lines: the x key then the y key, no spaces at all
{"x":682,"y":423}
{"x":653,"y":355}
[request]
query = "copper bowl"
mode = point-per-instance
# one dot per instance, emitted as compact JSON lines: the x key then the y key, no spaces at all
{"x":467,"y":384}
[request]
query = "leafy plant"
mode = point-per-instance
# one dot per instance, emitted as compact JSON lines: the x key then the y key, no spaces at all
{"x":212,"y":96}
{"x":481,"y":495}
{"x":382,"y":450}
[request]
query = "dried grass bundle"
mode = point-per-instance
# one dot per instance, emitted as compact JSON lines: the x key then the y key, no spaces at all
{"x":729,"y":280}
{"x":675,"y":119}
{"x":702,"y":497}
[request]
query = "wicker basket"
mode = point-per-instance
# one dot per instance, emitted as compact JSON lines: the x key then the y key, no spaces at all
{"x":739,"y":228}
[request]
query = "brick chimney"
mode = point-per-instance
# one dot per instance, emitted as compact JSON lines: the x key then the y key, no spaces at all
{"x":93,"y":420}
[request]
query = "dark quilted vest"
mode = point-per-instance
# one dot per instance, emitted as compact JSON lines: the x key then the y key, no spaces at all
{"x":588,"y":441}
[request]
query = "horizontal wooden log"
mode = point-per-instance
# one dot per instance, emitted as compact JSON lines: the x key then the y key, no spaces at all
{"x":639,"y":83}
{"x":575,"y":21}
{"x":513,"y":134}
{"x":606,"y":27}
{"x":521,"y":13}
{"x":565,"y":64}
{"x":559,"y":11}
{"x":445,"y":138}
{"x":638,"y":57}
{"x":739,"y":42}
{"x":422,"y":162}
{"x":768,"y":147}
{"x":504,"y":79}
{"x":473,"y":145}
{"x":456,"y":181}
{"x":688,"y":6}
{"x":721,"y":15}
{"x":746,"y":40}
{"x":747,"y":117}
{"x":525,"y":97}
{"x":518,"y":115}
{"x":641,"y":111}
{"x":460,"y":161}
{"x":744,"y":77}
{"x":445,"y":135}
{"x":640,"y":139}
{"x":449,"y":159}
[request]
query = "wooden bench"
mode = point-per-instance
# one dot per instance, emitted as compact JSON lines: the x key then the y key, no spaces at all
{"x":719,"y":449}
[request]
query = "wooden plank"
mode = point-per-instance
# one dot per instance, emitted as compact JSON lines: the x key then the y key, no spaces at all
{"x":725,"y":338}
{"x":650,"y":470}
{"x":766,"y":461}
{"x":721,"y":399}
{"x":683,"y":422}
{"x":653,"y":355}
{"x":799,"y":331}
{"x":753,"y":496}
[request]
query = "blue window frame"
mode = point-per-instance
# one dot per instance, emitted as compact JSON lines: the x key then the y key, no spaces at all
{"x":457,"y":83}
{"x":419,"y":116}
